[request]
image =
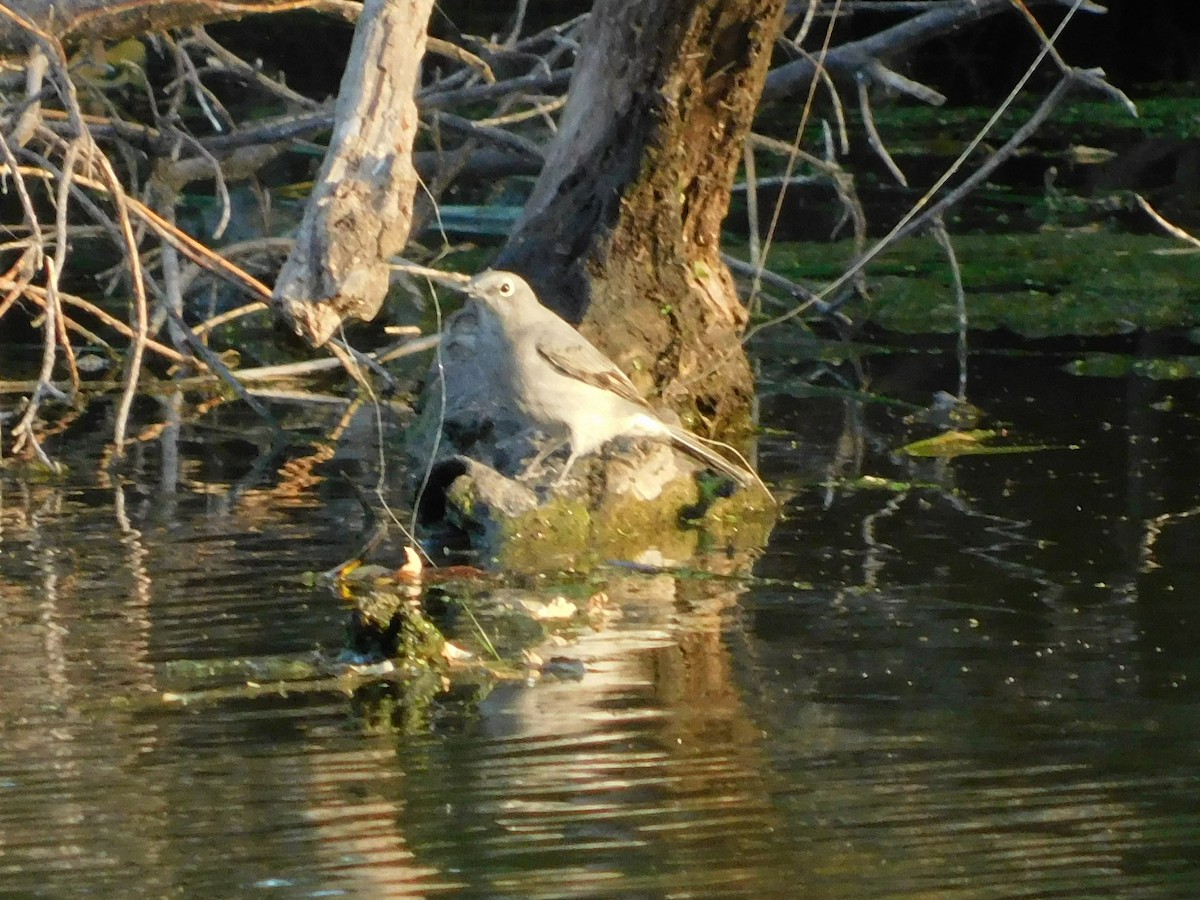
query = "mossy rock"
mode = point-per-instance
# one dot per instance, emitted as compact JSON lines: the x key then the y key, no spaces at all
{"x":586,"y":522}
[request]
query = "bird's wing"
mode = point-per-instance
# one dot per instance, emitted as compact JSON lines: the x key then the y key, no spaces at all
{"x":575,"y":358}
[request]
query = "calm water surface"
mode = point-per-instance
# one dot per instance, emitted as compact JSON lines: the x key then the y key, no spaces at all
{"x":984,"y":684}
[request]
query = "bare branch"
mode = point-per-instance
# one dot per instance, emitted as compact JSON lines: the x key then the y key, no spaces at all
{"x":513,"y":143}
{"x":873,"y":138}
{"x":1168,"y":227}
{"x":39,"y":297}
{"x":360,"y":213}
{"x":105,"y":20}
{"x":462,"y":55}
{"x":892,"y":79}
{"x":858,"y":59}
{"x":960,"y":301}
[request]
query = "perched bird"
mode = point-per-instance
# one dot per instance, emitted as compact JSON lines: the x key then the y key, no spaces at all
{"x":568,"y":388}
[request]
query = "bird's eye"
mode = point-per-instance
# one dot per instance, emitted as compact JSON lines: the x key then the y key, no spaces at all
{"x":506,"y":288}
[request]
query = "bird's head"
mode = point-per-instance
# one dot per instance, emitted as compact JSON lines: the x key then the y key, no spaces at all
{"x":501,"y":290}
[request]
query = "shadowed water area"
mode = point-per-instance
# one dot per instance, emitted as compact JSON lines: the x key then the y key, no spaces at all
{"x":973,"y":677}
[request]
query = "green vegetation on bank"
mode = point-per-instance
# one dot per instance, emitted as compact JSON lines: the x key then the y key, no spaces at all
{"x":1036,"y":285}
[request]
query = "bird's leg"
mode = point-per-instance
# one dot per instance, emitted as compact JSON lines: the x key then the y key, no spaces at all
{"x":552,"y":445}
{"x":562,"y":476}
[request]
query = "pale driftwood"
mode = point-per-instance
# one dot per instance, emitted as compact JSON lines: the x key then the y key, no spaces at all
{"x":360,"y":212}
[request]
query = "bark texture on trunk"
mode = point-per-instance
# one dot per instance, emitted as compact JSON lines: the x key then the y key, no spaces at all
{"x":359,"y":215}
{"x":622,"y":229}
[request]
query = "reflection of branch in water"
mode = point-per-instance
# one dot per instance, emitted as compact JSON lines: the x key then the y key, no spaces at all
{"x":873,"y":560}
{"x":1153,"y":529}
{"x":75,"y":640}
{"x":1009,"y":534}
{"x":850,"y":450}
{"x":930,"y":483}
{"x":1012,"y":534}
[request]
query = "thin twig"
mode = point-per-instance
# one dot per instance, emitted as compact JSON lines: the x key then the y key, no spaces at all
{"x":460,"y":54}
{"x":779,"y":283}
{"x":542,"y":109}
{"x":171,"y":280}
{"x":23,"y":272}
{"x":23,"y":432}
{"x":229,"y":316}
{"x":276,"y":247}
{"x":141,"y":311}
{"x":223,"y":372}
{"x":873,"y":138}
{"x":752,"y":205}
{"x":500,"y":138}
{"x":535,"y":82}
{"x":777,"y":211}
{"x":38,"y":296}
{"x":960,"y":301}
{"x":185,"y":243}
{"x":27,"y":209}
{"x":921,"y":212}
{"x":231,"y":62}
{"x":1173,"y":230}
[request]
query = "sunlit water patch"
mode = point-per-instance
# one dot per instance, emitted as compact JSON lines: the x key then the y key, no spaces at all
{"x":968,"y":677}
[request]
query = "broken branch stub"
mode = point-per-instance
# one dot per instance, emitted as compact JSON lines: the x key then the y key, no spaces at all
{"x":360,"y":212}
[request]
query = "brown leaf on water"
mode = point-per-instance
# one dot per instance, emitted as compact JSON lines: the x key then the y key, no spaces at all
{"x":455,"y":573}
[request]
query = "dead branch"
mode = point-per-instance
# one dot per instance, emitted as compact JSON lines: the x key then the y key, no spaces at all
{"x":1072,"y":79}
{"x":37,"y":295}
{"x":359,"y":214}
{"x":185,"y":243}
{"x":1174,"y":230}
{"x":73,"y":20}
{"x":861,"y":61}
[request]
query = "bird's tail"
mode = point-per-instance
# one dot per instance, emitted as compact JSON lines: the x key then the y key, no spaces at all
{"x":702,"y":449}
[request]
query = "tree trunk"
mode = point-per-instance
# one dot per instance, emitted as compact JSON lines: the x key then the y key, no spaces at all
{"x":622,"y":229}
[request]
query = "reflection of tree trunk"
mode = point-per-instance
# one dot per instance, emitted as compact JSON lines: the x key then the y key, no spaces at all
{"x":641,"y":767}
{"x":624,"y":221}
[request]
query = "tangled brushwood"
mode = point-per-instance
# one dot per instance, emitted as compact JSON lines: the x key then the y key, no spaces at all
{"x":147,"y":166}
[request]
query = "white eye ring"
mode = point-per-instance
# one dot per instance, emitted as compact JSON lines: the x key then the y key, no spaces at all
{"x":506,"y":288}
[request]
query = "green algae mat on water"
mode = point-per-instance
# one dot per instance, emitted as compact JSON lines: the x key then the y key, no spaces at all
{"x":1049,"y":284}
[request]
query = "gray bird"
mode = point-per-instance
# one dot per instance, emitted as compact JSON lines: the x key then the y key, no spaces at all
{"x":568,"y":388}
